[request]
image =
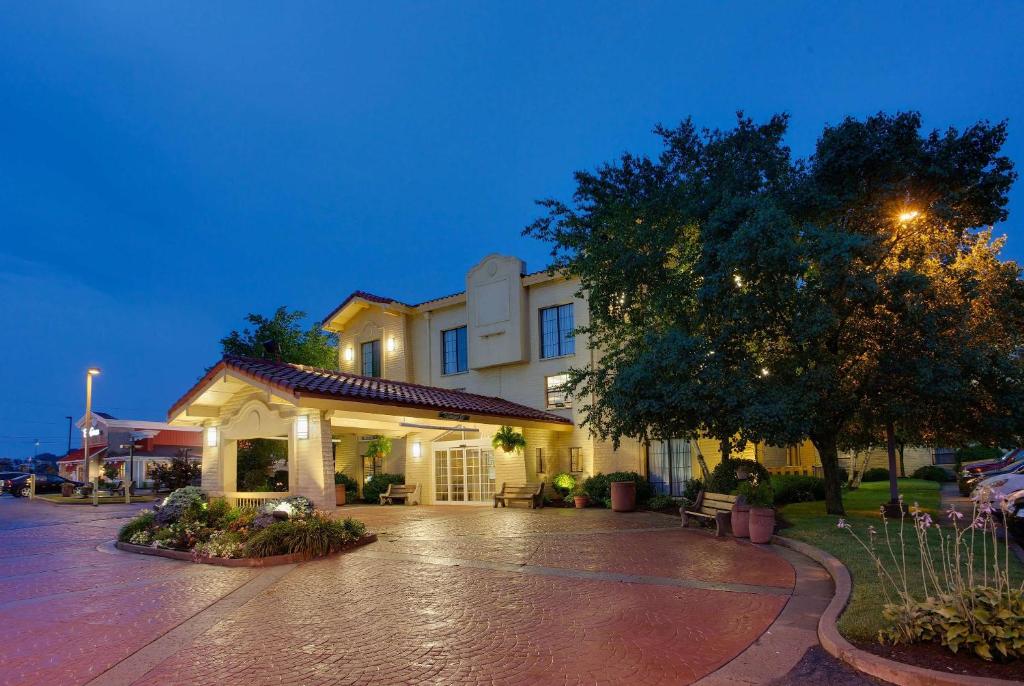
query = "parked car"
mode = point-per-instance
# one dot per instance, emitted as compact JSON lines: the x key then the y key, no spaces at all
{"x":45,"y":483}
{"x":1000,"y":486}
{"x":973,"y":472}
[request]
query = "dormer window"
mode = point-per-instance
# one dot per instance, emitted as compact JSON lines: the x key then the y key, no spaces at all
{"x":454,"y":354}
{"x":370,"y":358}
{"x":556,"y":325}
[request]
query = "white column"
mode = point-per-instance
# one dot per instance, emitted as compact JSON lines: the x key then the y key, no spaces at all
{"x":214,"y":470}
{"x":311,"y":462}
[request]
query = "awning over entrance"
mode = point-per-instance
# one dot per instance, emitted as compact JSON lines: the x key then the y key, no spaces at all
{"x":302,"y":386}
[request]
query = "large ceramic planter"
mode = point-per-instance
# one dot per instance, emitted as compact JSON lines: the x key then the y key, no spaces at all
{"x":740,"y":520}
{"x":623,"y":496}
{"x":580,"y":501}
{"x":339,"y":494}
{"x":762,"y":524}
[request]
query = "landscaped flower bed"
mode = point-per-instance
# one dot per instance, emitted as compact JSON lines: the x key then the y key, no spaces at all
{"x":212,"y":530}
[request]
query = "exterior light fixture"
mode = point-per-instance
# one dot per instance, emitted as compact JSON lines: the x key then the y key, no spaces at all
{"x":391,"y":344}
{"x":764,"y":371}
{"x":211,"y":437}
{"x":302,"y":427}
{"x":738,"y":280}
{"x":94,"y":371}
{"x":909,"y":215}
{"x":417,"y":450}
{"x":350,"y":354}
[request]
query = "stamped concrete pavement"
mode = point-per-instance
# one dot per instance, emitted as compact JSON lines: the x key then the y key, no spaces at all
{"x":447,"y":595}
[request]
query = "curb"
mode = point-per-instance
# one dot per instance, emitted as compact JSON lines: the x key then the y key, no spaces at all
{"x":273,"y":561}
{"x":861,"y":660}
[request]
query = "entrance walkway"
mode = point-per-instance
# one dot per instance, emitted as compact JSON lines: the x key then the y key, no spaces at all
{"x":447,"y":595}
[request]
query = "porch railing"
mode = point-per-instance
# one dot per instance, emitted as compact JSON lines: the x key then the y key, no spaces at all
{"x":253,"y":498}
{"x":802,"y":470}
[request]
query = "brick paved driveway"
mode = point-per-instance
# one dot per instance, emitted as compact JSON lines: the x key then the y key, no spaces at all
{"x":447,"y":595}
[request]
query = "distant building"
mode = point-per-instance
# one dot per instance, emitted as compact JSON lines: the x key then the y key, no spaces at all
{"x":132,"y":447}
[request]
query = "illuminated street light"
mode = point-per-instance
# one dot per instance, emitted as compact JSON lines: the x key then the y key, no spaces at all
{"x":92,"y":371}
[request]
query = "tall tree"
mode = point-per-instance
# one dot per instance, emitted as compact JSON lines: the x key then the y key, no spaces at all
{"x":282,"y":337}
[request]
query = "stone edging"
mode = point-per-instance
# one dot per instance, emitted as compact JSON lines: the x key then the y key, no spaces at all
{"x":272,"y":561}
{"x":861,"y":660}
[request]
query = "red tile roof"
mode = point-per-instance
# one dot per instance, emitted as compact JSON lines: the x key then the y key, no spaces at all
{"x":301,"y":380}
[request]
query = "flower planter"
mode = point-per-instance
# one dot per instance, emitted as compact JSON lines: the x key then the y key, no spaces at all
{"x":580,"y":501}
{"x":187,"y":556}
{"x":623,"y":496}
{"x":339,"y":494}
{"x":762,"y":524}
{"x":740,"y":520}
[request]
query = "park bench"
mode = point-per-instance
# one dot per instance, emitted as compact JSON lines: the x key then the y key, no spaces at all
{"x":119,"y":486}
{"x":407,"y":493}
{"x":711,"y":507}
{"x":532,"y":493}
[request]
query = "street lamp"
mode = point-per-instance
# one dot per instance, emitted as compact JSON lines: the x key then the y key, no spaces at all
{"x":92,"y":371}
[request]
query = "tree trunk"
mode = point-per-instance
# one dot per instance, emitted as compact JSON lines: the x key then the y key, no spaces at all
{"x":903,"y":465}
{"x":890,"y":446}
{"x":828,"y":453}
{"x":723,"y":445}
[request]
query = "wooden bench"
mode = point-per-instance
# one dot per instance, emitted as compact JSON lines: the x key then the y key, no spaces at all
{"x":716,"y":507}
{"x":532,"y":493}
{"x":407,"y":493}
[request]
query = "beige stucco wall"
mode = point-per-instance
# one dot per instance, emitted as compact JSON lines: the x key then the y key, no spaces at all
{"x":377,"y":323}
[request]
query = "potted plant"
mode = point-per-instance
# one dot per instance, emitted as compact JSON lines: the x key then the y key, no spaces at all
{"x":509,"y":440}
{"x":342,"y":483}
{"x":379,"y":448}
{"x":579,"y":496}
{"x":760,"y":497}
{"x":739,"y":518}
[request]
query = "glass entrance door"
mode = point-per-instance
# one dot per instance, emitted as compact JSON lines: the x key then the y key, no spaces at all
{"x":463,"y":475}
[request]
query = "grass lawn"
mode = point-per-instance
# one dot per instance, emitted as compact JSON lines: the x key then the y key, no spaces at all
{"x":809,"y":523}
{"x":104,"y":499}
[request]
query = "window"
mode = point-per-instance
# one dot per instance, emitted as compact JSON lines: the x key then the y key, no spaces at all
{"x":575,"y":460}
{"x":454,"y":357}
{"x":555,"y":394}
{"x":669,"y":466}
{"x":371,"y":358}
{"x":556,"y":326}
{"x":541,"y":467}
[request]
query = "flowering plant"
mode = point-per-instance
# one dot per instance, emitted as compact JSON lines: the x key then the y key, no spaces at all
{"x":968,"y":601}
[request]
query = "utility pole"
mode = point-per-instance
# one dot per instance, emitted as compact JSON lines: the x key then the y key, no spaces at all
{"x":70,"y":419}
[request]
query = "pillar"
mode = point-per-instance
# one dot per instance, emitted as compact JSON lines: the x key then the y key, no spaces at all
{"x":311,"y":461}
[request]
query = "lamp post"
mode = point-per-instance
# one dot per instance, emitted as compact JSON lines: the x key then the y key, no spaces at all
{"x":92,"y":371}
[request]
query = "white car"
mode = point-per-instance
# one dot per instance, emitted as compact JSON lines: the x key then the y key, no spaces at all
{"x":1001,"y":486}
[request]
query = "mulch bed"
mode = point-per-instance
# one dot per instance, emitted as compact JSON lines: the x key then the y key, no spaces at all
{"x":934,"y":656}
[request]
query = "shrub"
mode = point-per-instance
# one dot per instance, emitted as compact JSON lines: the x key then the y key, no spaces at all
{"x":183,"y":502}
{"x":796,"y":488}
{"x":222,"y":544}
{"x":315,"y":536}
{"x":563,"y":483}
{"x":178,"y":474}
{"x":350,"y":484}
{"x":931,"y":472}
{"x":661,"y":502}
{"x":378,"y":484}
{"x":143,"y":522}
{"x":757,"y":493}
{"x":182,"y":535}
{"x":217,"y":513}
{"x":599,"y":487}
{"x":723,"y":476}
{"x":692,"y":489}
{"x":141,"y":538}
{"x":844,"y":476}
{"x":875,"y":474}
{"x":240,"y":518}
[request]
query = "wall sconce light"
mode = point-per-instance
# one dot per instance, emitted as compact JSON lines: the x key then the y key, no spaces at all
{"x":417,"y":450}
{"x":391,"y":344}
{"x":302,"y":427}
{"x":350,"y":354}
{"x":211,"y":437}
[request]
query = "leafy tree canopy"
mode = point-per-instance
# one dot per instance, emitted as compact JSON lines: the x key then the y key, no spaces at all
{"x":312,"y":346}
{"x":737,"y":293}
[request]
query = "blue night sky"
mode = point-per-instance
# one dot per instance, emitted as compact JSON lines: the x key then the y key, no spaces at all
{"x":167,"y":168}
